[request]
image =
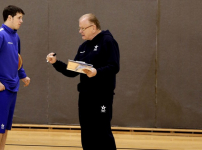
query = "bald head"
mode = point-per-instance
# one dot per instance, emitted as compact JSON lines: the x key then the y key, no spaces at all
{"x":92,"y":19}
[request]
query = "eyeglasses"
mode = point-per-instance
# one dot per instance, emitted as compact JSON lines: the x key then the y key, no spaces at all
{"x":83,"y":29}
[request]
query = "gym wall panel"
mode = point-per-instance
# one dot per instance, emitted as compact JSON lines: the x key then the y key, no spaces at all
{"x":64,"y":40}
{"x":179,"y":91}
{"x":135,"y":28}
{"x":159,"y":83}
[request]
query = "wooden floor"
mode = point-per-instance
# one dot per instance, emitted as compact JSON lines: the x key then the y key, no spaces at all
{"x":43,"y":139}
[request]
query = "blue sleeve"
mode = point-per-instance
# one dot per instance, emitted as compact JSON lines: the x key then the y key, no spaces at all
{"x":1,"y":41}
{"x":21,"y":71}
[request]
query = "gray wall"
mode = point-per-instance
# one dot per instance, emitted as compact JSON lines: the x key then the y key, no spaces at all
{"x":159,"y":84}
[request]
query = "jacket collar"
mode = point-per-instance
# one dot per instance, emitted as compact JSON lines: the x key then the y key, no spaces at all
{"x":6,"y":28}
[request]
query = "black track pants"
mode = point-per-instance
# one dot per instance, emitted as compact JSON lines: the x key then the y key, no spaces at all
{"x":95,"y":114}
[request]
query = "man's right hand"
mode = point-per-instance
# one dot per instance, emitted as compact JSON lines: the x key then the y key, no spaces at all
{"x":50,"y":58}
{"x":2,"y":87}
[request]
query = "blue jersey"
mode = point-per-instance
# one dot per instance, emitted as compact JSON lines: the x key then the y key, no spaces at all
{"x":9,"y":49}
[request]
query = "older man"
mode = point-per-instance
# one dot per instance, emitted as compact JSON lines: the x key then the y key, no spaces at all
{"x":96,"y":87}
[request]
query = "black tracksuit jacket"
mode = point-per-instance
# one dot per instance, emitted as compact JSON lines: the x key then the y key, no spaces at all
{"x":103,"y":53}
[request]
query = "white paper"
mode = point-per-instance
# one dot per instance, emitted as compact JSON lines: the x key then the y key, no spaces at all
{"x":78,"y":66}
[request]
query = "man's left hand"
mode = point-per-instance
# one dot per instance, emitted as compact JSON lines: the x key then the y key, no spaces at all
{"x":90,"y":73}
{"x":26,"y":81}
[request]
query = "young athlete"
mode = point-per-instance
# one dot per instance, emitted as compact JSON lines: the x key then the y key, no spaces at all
{"x":9,"y":73}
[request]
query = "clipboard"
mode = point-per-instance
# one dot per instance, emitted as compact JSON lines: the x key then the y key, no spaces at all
{"x":78,"y":66}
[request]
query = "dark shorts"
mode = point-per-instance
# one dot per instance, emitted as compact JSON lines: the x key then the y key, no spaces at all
{"x":7,"y":106}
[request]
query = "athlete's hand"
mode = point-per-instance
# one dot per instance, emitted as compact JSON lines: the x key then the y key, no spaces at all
{"x":26,"y":81}
{"x":90,"y":73}
{"x":51,"y":58}
{"x":2,"y":87}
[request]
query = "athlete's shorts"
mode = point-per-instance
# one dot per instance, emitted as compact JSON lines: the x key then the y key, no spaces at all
{"x":7,"y":106}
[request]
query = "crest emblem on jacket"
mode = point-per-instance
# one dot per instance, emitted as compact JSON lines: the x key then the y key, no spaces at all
{"x":95,"y":49}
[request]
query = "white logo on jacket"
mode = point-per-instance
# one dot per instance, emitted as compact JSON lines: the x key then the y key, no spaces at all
{"x":2,"y":126}
{"x":10,"y":43}
{"x":1,"y":29}
{"x":103,"y":110}
{"x":95,"y":49}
